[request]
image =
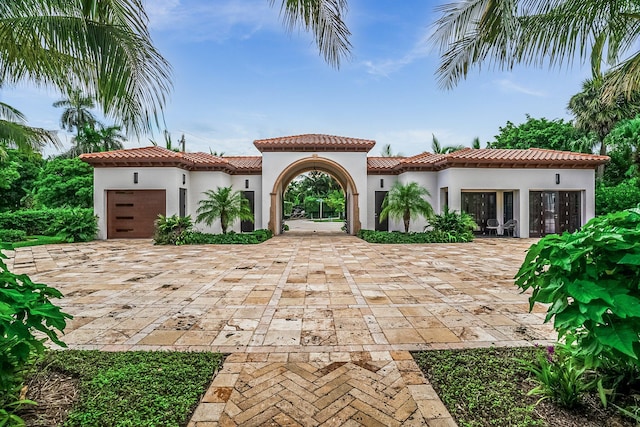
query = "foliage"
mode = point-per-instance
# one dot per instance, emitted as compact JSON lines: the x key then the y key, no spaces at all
{"x":336,"y":201}
{"x":625,"y":195}
{"x":41,"y":221}
{"x":559,"y":375}
{"x":75,"y":225}
{"x":12,"y":236}
{"x":451,"y":222}
{"x":38,"y":241}
{"x":404,"y":201}
{"x":14,"y":132}
{"x":590,"y":279}
{"x":134,"y":388}
{"x":224,"y":204}
{"x":624,"y":149}
{"x":373,"y":236}
{"x":25,"y":309}
{"x":65,"y":183}
{"x":102,"y":47}
{"x":92,"y":139}
{"x":76,"y":114}
{"x":539,"y":133}
{"x":505,"y":33}
{"x":28,"y":166}
{"x":481,"y":387}
{"x":287,"y":208}
{"x":171,"y":230}
{"x":231,"y":238}
{"x":437,"y":148}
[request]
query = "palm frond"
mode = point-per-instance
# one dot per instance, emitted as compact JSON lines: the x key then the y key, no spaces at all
{"x":325,"y":19}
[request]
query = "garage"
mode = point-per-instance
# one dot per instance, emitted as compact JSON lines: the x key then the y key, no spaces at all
{"x":131,"y":213}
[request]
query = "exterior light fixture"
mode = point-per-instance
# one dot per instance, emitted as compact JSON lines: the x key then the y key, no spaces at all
{"x":381,"y":182}
{"x":557,"y":178}
{"x":184,"y":179}
{"x":135,"y":177}
{"x":246,"y":183}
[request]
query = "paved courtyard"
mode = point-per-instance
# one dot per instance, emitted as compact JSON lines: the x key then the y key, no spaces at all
{"x":318,"y":326}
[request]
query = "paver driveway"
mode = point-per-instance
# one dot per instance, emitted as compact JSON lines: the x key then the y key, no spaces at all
{"x":318,"y":326}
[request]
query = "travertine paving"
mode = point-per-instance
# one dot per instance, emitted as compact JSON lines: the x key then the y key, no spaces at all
{"x":303,"y":316}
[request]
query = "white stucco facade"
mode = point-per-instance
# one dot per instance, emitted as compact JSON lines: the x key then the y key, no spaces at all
{"x":495,"y":174}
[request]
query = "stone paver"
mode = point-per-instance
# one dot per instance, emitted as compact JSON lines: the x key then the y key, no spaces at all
{"x":318,"y":326}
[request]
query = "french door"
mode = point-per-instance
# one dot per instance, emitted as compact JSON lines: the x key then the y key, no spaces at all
{"x":553,"y":212}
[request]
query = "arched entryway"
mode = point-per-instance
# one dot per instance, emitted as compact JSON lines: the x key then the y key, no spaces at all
{"x":321,"y":164}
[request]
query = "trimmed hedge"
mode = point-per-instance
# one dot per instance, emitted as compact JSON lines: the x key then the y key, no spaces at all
{"x":231,"y":238}
{"x":373,"y":236}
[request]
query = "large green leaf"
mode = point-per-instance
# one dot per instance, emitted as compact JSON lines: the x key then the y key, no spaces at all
{"x":585,"y":291}
{"x":626,"y":306}
{"x":620,"y":337}
{"x":630,"y":259}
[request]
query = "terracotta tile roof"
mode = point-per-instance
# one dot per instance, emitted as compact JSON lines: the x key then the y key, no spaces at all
{"x":383,"y":164}
{"x":252,"y":163}
{"x":425,"y":158}
{"x":314,"y":142}
{"x":152,"y":152}
{"x":517,"y":158}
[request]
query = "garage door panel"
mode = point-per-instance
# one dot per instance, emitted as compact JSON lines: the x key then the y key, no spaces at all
{"x":131,"y":213}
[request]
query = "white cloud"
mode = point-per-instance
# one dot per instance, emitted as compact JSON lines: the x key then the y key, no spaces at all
{"x":383,"y":68}
{"x":507,"y":85}
{"x":196,"y":20}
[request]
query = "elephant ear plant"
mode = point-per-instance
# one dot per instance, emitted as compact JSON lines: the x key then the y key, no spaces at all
{"x":591,"y":281}
{"x":25,"y":309}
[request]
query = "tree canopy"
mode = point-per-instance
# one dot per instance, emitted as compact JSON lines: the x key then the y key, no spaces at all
{"x":541,"y":133}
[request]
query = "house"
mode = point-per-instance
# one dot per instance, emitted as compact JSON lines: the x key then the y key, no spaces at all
{"x":546,"y":191}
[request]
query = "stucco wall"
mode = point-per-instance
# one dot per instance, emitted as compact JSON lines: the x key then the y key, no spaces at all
{"x":200,"y":182}
{"x":521,"y":181}
{"x":274,"y":163}
{"x":373,"y":185}
{"x":121,"y":178}
{"x":429,"y":181}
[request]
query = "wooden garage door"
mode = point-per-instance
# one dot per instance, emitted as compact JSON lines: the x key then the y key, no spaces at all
{"x":130,"y":213}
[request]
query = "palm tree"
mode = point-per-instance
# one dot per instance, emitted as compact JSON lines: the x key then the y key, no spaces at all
{"x":388,"y":152}
{"x":594,"y":113}
{"x":76,"y":112}
{"x":14,"y":132}
{"x":505,"y":33}
{"x":475,"y":143}
{"x":404,"y":201}
{"x":92,"y":140}
{"x":439,"y":149}
{"x":101,"y":47}
{"x":168,"y":141}
{"x":224,"y":204}
{"x":111,"y":138}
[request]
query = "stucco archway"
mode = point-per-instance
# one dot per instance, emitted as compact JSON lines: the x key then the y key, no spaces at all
{"x":321,"y":164}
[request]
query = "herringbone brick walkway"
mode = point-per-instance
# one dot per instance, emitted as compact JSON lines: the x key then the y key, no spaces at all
{"x":318,"y":328}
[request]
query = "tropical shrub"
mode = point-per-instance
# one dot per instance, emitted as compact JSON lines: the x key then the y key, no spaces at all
{"x":12,"y":236}
{"x":590,"y":279}
{"x":373,"y":236}
{"x":25,"y":308}
{"x":74,"y":225}
{"x":65,"y":183}
{"x":405,"y":201}
{"x":625,"y":195}
{"x":171,"y":230}
{"x":41,"y":221}
{"x":560,"y":375}
{"x":460,"y":225}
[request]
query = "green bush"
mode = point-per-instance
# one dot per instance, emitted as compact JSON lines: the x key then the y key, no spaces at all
{"x":434,"y":236}
{"x":25,"y":309}
{"x":41,"y":221}
{"x":171,"y":230}
{"x":456,"y":226}
{"x":590,"y":279}
{"x":231,"y":238}
{"x":625,"y":195}
{"x":12,"y":236}
{"x":288,"y":208}
{"x":74,"y":225}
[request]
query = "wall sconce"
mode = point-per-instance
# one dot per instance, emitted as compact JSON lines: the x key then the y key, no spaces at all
{"x":557,"y":178}
{"x":135,"y":177}
{"x":381,"y":183}
{"x":184,"y":179}
{"x":246,"y":183}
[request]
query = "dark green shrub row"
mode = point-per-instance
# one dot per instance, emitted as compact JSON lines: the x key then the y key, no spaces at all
{"x":197,"y":238}
{"x":623,"y":196}
{"x":372,"y":236}
{"x":12,"y":235}
{"x":75,"y":225}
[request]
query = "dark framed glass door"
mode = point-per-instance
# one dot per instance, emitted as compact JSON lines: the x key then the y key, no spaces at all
{"x":245,"y":225}
{"x":553,"y":212}
{"x":384,"y":224}
{"x":481,"y":207}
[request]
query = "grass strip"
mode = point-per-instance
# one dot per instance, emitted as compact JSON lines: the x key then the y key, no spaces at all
{"x":481,"y":387}
{"x":135,"y":388}
{"x":38,"y":240}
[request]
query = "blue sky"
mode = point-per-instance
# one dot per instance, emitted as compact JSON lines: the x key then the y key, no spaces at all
{"x":239,"y":76}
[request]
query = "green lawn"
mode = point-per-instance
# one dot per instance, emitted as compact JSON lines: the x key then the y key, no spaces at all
{"x":38,"y":240}
{"x":134,"y":388}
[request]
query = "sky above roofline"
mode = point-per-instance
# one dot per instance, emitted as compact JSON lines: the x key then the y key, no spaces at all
{"x":239,"y":76}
